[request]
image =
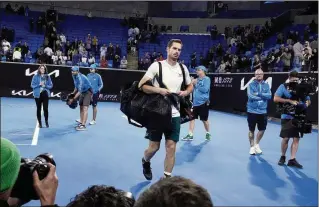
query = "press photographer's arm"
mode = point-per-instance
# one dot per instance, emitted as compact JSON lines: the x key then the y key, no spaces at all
{"x":278,"y":99}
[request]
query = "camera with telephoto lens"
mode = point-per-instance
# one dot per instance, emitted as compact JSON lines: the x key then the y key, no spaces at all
{"x":23,"y":188}
{"x":299,"y":91}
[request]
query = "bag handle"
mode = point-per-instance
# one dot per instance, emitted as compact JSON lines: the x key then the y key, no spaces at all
{"x":184,"y":78}
{"x":160,"y":77}
{"x":134,"y":124}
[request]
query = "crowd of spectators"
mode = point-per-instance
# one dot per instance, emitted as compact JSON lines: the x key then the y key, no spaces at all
{"x":245,"y":48}
{"x":57,"y":49}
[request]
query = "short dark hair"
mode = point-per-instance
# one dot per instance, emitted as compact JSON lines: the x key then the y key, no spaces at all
{"x":102,"y":196}
{"x":170,"y":43}
{"x":293,"y":74}
{"x":175,"y":192}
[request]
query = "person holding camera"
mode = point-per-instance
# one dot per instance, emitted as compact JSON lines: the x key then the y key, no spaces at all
{"x":201,"y":102}
{"x":41,"y":84}
{"x":10,"y":171}
{"x":284,"y":95}
{"x":83,"y":90}
{"x":97,"y":85}
{"x":258,"y":92}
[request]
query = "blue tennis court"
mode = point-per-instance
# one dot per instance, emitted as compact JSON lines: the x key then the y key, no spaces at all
{"x":110,"y":153}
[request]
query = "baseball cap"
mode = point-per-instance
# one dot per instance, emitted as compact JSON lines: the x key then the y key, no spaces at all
{"x":293,"y":73}
{"x":201,"y":67}
{"x":10,"y":164}
{"x":75,"y":68}
{"x":93,"y":66}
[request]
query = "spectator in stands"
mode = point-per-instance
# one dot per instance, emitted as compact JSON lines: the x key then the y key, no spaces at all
{"x":118,"y":50}
{"x":186,"y":193}
{"x":298,"y":55}
{"x":102,"y":196}
{"x":103,"y":50}
{"x":28,"y":57}
{"x":6,"y":46}
{"x":48,"y":53}
{"x":307,"y":46}
{"x":24,"y":49}
{"x":91,"y":59}
{"x":19,"y":44}
{"x":221,"y":68}
{"x":76,"y":58}
{"x":103,"y":62}
{"x":88,"y":42}
{"x":306,"y":60}
{"x":116,"y":61}
{"x":110,"y":52}
{"x":314,"y":60}
{"x":62,"y":38}
{"x":314,"y":43}
{"x":55,"y":58}
{"x":256,"y":63}
{"x":84,"y":61}
{"x":95,"y":43}
{"x":16,"y":57}
{"x":123,"y":63}
{"x":63,"y":59}
{"x":286,"y":59}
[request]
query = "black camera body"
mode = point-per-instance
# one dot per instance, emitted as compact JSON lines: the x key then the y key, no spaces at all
{"x":299,"y":91}
{"x":23,"y":188}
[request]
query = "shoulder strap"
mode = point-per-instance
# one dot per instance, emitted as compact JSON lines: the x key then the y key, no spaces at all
{"x":184,"y":78}
{"x":160,"y":76}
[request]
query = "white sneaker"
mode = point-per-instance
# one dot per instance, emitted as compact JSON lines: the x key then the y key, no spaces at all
{"x":92,"y":122}
{"x":252,"y":151}
{"x":257,"y":149}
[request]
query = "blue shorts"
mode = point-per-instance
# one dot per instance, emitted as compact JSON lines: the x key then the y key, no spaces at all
{"x":95,"y":99}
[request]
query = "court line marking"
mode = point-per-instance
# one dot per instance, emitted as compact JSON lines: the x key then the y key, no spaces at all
{"x":36,"y":131}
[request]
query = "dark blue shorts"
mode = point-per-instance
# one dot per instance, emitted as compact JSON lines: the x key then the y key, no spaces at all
{"x":257,"y":119}
{"x":95,"y":99}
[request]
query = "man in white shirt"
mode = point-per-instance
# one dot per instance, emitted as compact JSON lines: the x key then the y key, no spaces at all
{"x":172,"y":78}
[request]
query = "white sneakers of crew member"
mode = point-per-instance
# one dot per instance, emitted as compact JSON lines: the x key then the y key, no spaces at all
{"x":91,"y":122}
{"x":255,"y":150}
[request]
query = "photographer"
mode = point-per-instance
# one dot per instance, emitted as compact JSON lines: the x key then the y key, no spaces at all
{"x":284,"y":95}
{"x":9,"y":173}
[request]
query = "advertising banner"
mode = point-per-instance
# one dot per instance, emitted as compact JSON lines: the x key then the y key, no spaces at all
{"x":228,"y":91}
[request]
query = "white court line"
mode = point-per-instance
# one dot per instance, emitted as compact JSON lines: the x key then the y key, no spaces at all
{"x":36,"y":131}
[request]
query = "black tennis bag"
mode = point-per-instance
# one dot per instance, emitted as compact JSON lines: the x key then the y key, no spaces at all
{"x":152,"y":111}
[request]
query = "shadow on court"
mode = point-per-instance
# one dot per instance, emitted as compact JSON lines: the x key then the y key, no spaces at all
{"x":188,"y":152}
{"x":306,"y":189}
{"x":264,"y":176}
